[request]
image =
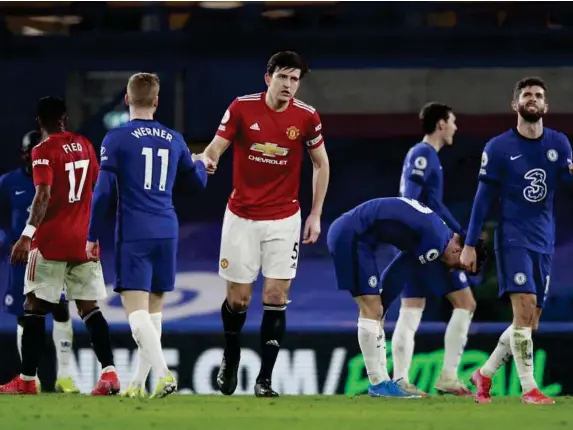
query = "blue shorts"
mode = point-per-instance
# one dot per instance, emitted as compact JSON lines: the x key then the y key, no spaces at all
{"x":354,"y":261}
{"x":520,"y":270}
{"x":146,"y":265}
{"x":438,"y":285}
{"x":14,"y":297}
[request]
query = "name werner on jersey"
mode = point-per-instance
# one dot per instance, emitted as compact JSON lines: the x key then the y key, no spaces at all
{"x":155,"y":132}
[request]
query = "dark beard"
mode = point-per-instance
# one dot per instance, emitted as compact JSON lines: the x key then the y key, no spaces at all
{"x":531,"y":117}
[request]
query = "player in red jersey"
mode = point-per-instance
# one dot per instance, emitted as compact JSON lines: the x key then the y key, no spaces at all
{"x":65,"y":169}
{"x":261,"y":227}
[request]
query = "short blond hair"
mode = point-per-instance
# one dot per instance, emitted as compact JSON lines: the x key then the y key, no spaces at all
{"x":142,"y":89}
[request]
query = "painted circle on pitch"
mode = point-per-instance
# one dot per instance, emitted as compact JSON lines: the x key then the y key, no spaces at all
{"x":195,"y":294}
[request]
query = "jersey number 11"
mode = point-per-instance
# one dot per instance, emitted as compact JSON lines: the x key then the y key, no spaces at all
{"x":163,"y":154}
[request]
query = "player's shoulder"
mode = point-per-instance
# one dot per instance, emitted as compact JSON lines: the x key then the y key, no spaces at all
{"x":500,"y":142}
{"x":248,"y":101}
{"x":555,"y":136}
{"x":303,"y":107}
{"x":9,"y":177}
{"x":421,"y":154}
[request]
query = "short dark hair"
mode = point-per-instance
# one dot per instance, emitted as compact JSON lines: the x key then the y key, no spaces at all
{"x":432,"y":113}
{"x":51,"y":110}
{"x":481,"y":252}
{"x":529,"y":81}
{"x":287,"y":60}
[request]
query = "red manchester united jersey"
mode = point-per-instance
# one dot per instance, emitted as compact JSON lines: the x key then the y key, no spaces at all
{"x":67,"y":162}
{"x":268,"y":147}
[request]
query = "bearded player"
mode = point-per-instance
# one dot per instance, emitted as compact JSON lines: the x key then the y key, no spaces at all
{"x":261,"y":227}
{"x":520,"y":168}
{"x":16,"y":195}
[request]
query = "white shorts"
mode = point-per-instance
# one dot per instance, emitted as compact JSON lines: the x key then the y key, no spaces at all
{"x":246,"y":245}
{"x":48,"y":279}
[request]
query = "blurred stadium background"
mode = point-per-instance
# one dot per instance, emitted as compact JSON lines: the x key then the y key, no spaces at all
{"x":373,"y":66}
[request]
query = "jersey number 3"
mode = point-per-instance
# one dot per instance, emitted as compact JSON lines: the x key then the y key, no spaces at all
{"x":163,"y":154}
{"x":75,"y":193}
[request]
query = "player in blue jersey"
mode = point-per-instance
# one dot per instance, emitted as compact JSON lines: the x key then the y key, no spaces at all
{"x":16,"y":194}
{"x":422,"y":179}
{"x":142,"y":159}
{"x":521,"y":169}
{"x":428,"y":247}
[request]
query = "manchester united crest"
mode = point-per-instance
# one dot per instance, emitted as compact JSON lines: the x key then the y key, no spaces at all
{"x":224,"y":263}
{"x":293,"y":133}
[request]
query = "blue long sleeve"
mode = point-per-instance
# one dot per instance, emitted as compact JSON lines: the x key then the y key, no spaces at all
{"x":100,"y":203}
{"x":484,"y":196}
{"x":443,"y":212}
{"x":413,"y":190}
{"x":196,"y":178}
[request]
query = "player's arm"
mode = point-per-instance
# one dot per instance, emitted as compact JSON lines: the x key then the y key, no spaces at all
{"x":417,"y":178}
{"x":43,"y":175}
{"x":490,"y":177}
{"x":438,"y":206}
{"x":104,"y":186}
{"x":566,"y":163}
{"x":320,"y":164}
{"x":228,"y":129}
{"x":193,"y":172}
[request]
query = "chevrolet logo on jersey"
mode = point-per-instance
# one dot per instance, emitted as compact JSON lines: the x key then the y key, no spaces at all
{"x":269,"y":149}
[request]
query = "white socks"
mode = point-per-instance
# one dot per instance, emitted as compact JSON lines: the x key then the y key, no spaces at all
{"x":63,"y":336}
{"x":19,"y":333}
{"x":143,"y":364}
{"x":369,"y":341}
{"x":148,"y":341}
{"x":382,"y":347}
{"x":403,"y":341}
{"x":455,"y":341}
{"x":522,"y":350}
{"x":500,"y":355}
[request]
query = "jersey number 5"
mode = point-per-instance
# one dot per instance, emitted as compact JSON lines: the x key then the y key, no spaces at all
{"x":75,"y":195}
{"x":163,"y":154}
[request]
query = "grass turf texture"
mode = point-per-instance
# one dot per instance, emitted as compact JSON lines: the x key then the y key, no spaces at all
{"x":78,"y":412}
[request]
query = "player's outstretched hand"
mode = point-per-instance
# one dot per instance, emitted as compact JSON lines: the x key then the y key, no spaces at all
{"x":311,"y":229}
{"x":210,"y":165}
{"x":21,"y":250}
{"x":468,"y":259}
{"x":92,"y":251}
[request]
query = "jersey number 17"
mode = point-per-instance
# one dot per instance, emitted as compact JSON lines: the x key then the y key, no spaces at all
{"x":163,"y":154}
{"x":75,"y":193}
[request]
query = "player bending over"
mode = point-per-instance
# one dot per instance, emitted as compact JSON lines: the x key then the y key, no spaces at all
{"x":16,"y":195}
{"x":142,"y":159}
{"x":521,"y":169}
{"x":422,"y":179}
{"x":261,"y":227}
{"x":352,"y":241}
{"x":64,"y":168}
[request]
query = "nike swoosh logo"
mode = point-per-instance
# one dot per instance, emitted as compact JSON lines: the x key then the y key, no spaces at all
{"x":20,"y":192}
{"x":514,"y":157}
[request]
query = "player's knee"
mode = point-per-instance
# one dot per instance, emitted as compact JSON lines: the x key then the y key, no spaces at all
{"x":35,"y":305}
{"x":465,"y":300}
{"x":61,"y":312}
{"x":524,"y":309}
{"x":275,"y":292}
{"x":84,"y":307}
{"x":239,"y":296}
{"x":370,"y":307}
